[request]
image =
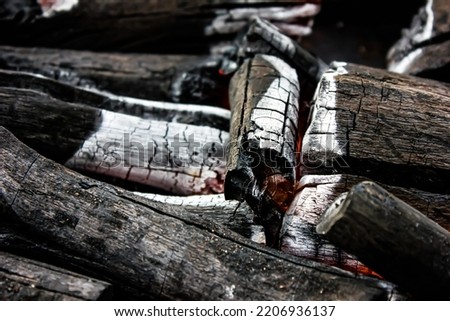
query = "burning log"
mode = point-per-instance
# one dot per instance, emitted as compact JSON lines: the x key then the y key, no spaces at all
{"x":164,"y":256}
{"x":393,"y":238}
{"x":180,"y":158}
{"x":24,"y":279}
{"x":176,"y":78}
{"x":424,"y":49}
{"x":387,"y":127}
{"x":261,"y":161}
{"x":161,"y":26}
{"x":316,"y":193}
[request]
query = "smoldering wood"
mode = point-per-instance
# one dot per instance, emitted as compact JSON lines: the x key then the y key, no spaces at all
{"x":148,"y":109}
{"x":264,"y":96}
{"x":393,"y":238}
{"x":388,"y":127}
{"x":424,"y":49}
{"x":23,"y":279}
{"x":164,"y":256}
{"x":175,"y":26}
{"x":316,"y":193}
{"x":187,"y":79}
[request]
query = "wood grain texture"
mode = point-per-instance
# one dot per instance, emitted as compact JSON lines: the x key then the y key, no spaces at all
{"x":264,"y":98}
{"x":148,"y":109}
{"x":164,"y":256}
{"x":393,"y":238}
{"x":261,"y":159}
{"x":237,"y":216}
{"x":316,"y":193}
{"x":180,"y":158}
{"x":24,"y":280}
{"x":174,"y":78}
{"x":381,"y":125}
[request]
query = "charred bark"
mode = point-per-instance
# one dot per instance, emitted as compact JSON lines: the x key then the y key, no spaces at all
{"x":424,"y":49}
{"x":237,"y":216}
{"x":55,"y":120}
{"x":384,"y":126}
{"x":393,"y":238}
{"x":161,"y":26}
{"x":173,"y":78}
{"x":262,"y":37}
{"x":165,"y":256}
{"x":317,"y":192}
{"x":146,"y":109}
{"x":24,"y":279}
{"x":263,"y":139}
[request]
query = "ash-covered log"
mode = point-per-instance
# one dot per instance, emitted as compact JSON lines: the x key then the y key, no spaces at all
{"x":316,"y":193}
{"x":22,"y":279}
{"x":424,"y":49}
{"x":237,"y":216}
{"x":388,"y":127}
{"x":164,"y":256}
{"x":59,"y":122}
{"x":391,"y":237}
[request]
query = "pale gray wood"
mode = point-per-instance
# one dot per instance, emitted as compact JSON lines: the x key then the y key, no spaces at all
{"x":393,"y":238}
{"x":164,"y":256}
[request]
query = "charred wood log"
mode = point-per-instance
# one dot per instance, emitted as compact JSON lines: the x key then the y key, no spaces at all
{"x":388,"y":127}
{"x":262,"y":37}
{"x":237,"y":216}
{"x":56,"y":120}
{"x":316,"y":193}
{"x":161,"y":26}
{"x":14,"y":238}
{"x":23,"y":279}
{"x":176,"y":78}
{"x":393,"y":238}
{"x":165,"y":256}
{"x":261,"y":160}
{"x":155,"y":110}
{"x":424,"y":49}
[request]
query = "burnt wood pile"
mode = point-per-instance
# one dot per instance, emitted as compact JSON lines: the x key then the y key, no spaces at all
{"x":205,"y":150}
